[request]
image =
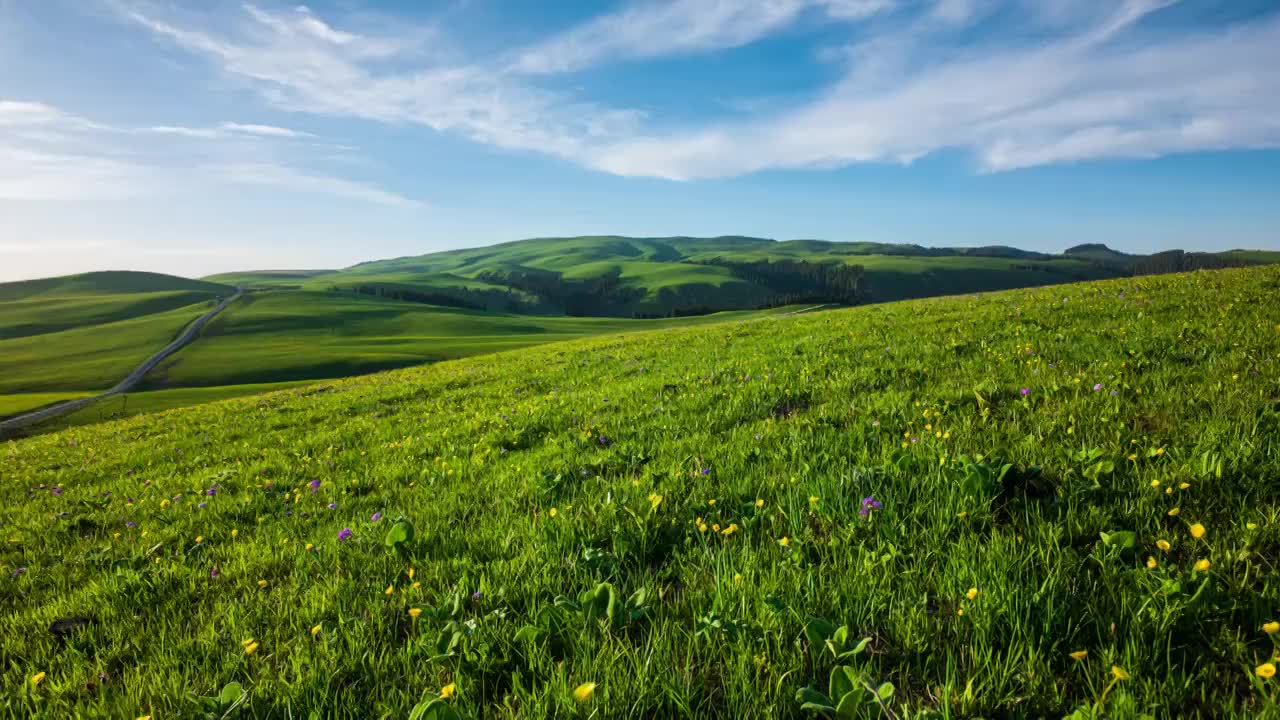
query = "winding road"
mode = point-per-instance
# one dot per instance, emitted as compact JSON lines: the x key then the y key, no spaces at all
{"x":130,"y":380}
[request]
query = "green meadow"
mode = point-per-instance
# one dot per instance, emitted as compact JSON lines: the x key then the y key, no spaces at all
{"x":1051,"y":502}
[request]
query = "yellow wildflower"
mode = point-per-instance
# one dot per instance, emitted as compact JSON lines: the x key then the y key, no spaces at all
{"x":390,"y":590}
{"x":1119,"y":672}
{"x":1197,"y":531}
{"x":583,"y":692}
{"x":1163,"y":545}
{"x":1174,"y":512}
{"x":448,"y":691}
{"x":315,"y":631}
{"x":1151,"y":563}
{"x":309,"y":547}
{"x":551,"y":512}
{"x":263,"y":583}
{"x":234,"y":532}
{"x":813,"y":499}
{"x":38,"y":678}
{"x":785,"y":542}
{"x":1271,"y":628}
{"x":1266,"y":671}
{"x":759,"y":502}
{"x":1203,"y":565}
{"x":972,"y":593}
{"x":415,"y":612}
{"x":199,"y":539}
{"x":1079,"y":655}
{"x":251,"y":648}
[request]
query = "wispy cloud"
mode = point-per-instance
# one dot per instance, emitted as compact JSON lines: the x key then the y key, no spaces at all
{"x":293,"y":179}
{"x":1106,"y":90}
{"x":656,"y":29}
{"x":49,"y":154}
{"x":1058,"y":81}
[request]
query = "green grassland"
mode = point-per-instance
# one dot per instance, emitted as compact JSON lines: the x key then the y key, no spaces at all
{"x":289,"y":335}
{"x":1033,"y":503}
{"x":95,"y":357}
{"x":141,"y":403}
{"x":11,"y":405}
{"x":673,"y":273}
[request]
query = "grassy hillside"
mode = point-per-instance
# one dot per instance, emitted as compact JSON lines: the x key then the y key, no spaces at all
{"x":649,"y":277}
{"x":107,"y":283}
{"x":1027,"y":503}
{"x":95,"y":357}
{"x":288,"y":335}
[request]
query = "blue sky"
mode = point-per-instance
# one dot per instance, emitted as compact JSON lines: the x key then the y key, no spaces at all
{"x":198,"y":137}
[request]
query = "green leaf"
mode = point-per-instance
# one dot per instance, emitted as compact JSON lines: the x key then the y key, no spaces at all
{"x":1123,"y":539}
{"x":808,"y":697}
{"x":400,"y":533}
{"x":231,"y":693}
{"x":885,"y":692}
{"x":843,"y":681}
{"x":817,"y":631}
{"x":850,"y":705}
{"x":530,"y":633}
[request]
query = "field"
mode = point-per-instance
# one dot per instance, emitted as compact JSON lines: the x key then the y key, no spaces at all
{"x":1036,"y":503}
{"x":285,"y":335}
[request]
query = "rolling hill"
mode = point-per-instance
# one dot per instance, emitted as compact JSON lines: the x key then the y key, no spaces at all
{"x":655,"y":277}
{"x":1036,"y":503}
{"x":66,"y":337}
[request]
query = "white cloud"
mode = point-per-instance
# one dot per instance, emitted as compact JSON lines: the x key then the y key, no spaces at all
{"x":292,"y":179}
{"x":48,"y":154}
{"x":667,"y":27}
{"x":1061,"y":81}
{"x":1103,"y":92}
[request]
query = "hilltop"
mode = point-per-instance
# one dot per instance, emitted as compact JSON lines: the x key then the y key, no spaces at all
{"x":1020,"y":504}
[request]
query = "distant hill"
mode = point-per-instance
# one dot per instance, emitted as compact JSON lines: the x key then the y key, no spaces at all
{"x":113,"y":282}
{"x":48,"y":305}
{"x":619,"y":276}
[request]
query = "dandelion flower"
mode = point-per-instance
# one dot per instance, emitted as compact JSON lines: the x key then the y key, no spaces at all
{"x":1184,"y":486}
{"x":1079,"y":655}
{"x":263,"y":583}
{"x":551,"y":512}
{"x":759,"y":502}
{"x":1119,"y":672}
{"x":1163,"y":545}
{"x":251,"y":648}
{"x":1197,"y":531}
{"x":38,"y":678}
{"x":1174,"y":512}
{"x":390,"y":590}
{"x":1203,"y":565}
{"x":415,"y":612}
{"x":583,"y":692}
{"x":1271,"y":628}
{"x":199,"y":539}
{"x":813,"y":499}
{"x":234,"y":532}
{"x":1155,"y":483}
{"x":315,"y":630}
{"x":1151,"y":563}
{"x":1266,"y":671}
{"x":972,"y":593}
{"x":448,"y":691}
{"x":309,"y":547}
{"x":654,"y":501}
{"x":785,"y":542}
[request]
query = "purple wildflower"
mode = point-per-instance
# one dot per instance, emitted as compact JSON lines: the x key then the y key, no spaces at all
{"x":19,"y":571}
{"x":1115,"y":392}
{"x":376,"y":517}
{"x":57,"y":489}
{"x":869,"y":503}
{"x":345,"y":534}
{"x":131,"y":524}
{"x":201,"y":506}
{"x":1025,"y":391}
{"x":705,"y":471}
{"x":214,"y":573}
{"x":477,"y":595}
{"x":314,"y":484}
{"x":333,"y":506}
{"x":1097,"y":387}
{"x":211,"y":491}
